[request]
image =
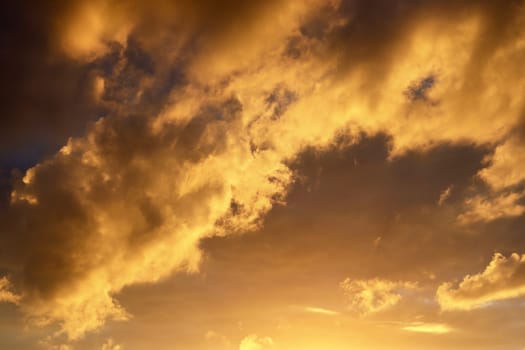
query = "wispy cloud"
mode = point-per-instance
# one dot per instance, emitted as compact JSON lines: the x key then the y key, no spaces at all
{"x":431,"y":328}
{"x":317,"y":310}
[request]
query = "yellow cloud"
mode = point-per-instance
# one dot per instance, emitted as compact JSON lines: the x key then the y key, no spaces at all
{"x":502,"y":279}
{"x":505,"y":170}
{"x":218,"y":339}
{"x":318,"y":310}
{"x":374,"y":295}
{"x":431,"y":328}
{"x":483,"y":209}
{"x":130,"y":201}
{"x":507,"y":165}
{"x":6,"y":295}
{"x":254,"y":342}
{"x":86,"y":29}
{"x":111,"y":345}
{"x":444,"y":195}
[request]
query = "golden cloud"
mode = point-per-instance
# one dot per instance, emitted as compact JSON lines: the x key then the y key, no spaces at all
{"x":506,"y":167}
{"x":431,"y":328}
{"x":254,"y":342}
{"x":318,"y":310}
{"x":503,"y":278}
{"x":483,"y":209}
{"x":111,"y":345}
{"x":375,"y":295}
{"x":130,"y":201}
{"x":6,"y":295}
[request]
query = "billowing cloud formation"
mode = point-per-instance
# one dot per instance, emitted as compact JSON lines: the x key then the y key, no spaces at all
{"x":207,"y":102}
{"x":254,"y":342}
{"x":370,"y":296}
{"x":503,"y":278}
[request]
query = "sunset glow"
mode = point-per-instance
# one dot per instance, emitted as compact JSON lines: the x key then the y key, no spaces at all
{"x":254,"y":175}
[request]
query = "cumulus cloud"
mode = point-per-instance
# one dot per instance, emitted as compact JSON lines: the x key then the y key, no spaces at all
{"x":254,"y":342}
{"x":503,"y":278}
{"x":375,"y":295}
{"x":207,"y":102}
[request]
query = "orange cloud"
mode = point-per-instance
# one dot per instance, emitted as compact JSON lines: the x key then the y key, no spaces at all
{"x":431,"y":328}
{"x":502,"y":279}
{"x":110,"y":345}
{"x":6,"y":295}
{"x":130,"y":201}
{"x":483,"y":209}
{"x":371,"y":296}
{"x":254,"y":342}
{"x":318,"y":310}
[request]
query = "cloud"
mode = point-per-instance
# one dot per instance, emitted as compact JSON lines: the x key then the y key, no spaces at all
{"x":444,"y":195}
{"x":375,"y":295}
{"x":254,"y":342}
{"x":318,"y":310}
{"x":47,"y":343}
{"x":111,"y":345}
{"x":503,"y":175}
{"x":218,"y":339}
{"x":7,"y":296}
{"x":506,"y":167}
{"x":430,"y":328}
{"x":202,"y":149}
{"x":503,"y":278}
{"x":481,"y":208}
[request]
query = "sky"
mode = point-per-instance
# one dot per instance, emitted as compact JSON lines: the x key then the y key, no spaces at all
{"x":262,"y":175}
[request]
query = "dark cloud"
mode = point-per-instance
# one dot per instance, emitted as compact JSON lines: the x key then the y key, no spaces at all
{"x":363,"y":196}
{"x":45,"y":97}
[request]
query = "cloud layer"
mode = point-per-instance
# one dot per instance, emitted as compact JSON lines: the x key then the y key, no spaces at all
{"x":200,"y":108}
